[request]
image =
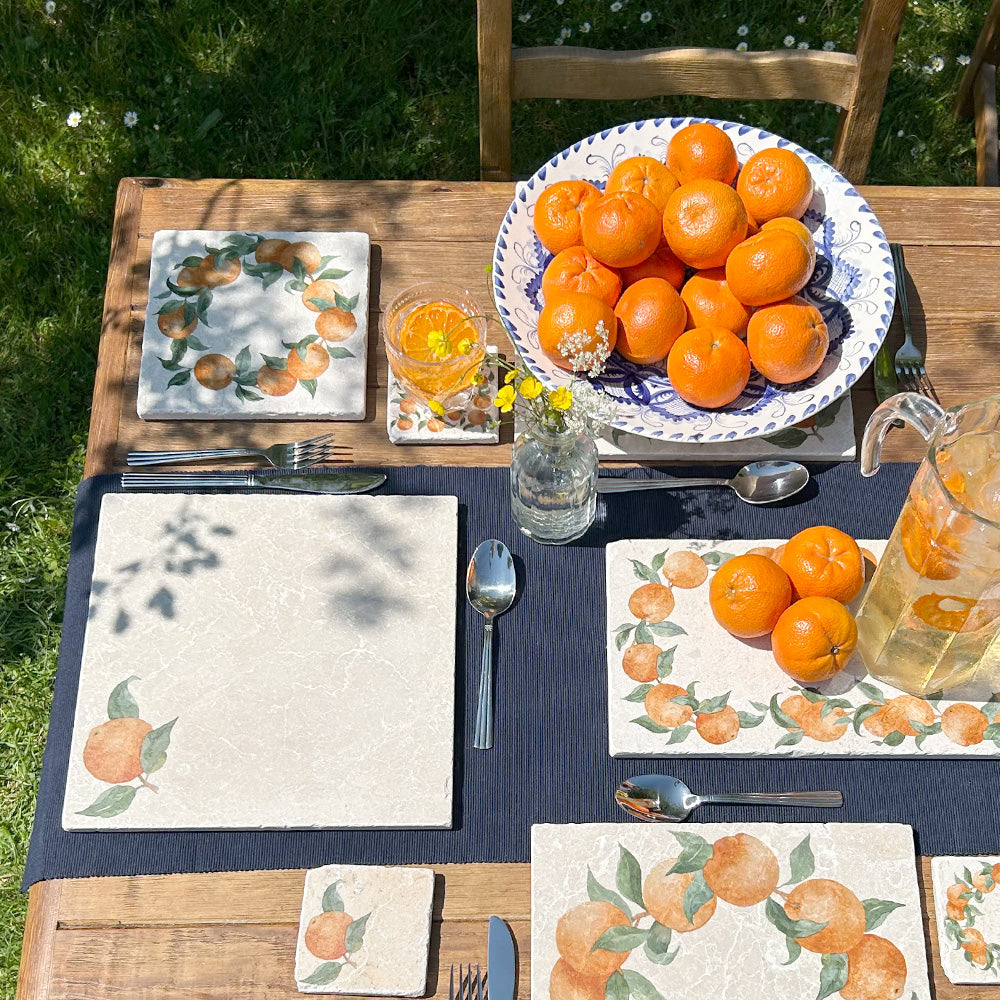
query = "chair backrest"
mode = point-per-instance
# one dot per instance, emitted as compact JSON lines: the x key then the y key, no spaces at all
{"x":854,"y":82}
{"x":977,"y":96}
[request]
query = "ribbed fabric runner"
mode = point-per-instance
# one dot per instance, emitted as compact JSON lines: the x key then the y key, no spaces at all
{"x":550,"y":762}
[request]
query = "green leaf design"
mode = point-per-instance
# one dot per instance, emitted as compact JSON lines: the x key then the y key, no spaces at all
{"x":628,"y":877}
{"x":247,"y":395}
{"x":110,"y":802}
{"x":794,"y":950}
{"x":325,"y":974}
{"x":195,"y":343}
{"x":832,"y":976}
{"x":178,"y":349}
{"x":617,"y":988}
{"x":332,"y":273}
{"x":639,"y":693}
{"x":790,"y":928}
{"x":331,"y":899}
{"x":299,"y":270}
{"x":791,"y":437}
{"x":828,"y":414}
{"x":791,"y":739}
{"x":181,"y":378}
{"x":271,"y":277}
{"x":194,"y":261}
{"x":666,"y":629}
{"x":748,"y":721}
{"x":801,"y":861}
{"x":171,"y":366}
{"x":657,"y":945}
{"x":598,"y":893}
{"x":642,"y":633}
{"x":640,"y":987}
{"x":622,"y":634}
{"x":644,"y":572}
{"x":716,"y":558}
{"x":712,"y":705}
{"x":870,"y":691}
{"x":894,"y":739}
{"x":277,"y":363}
{"x":121,"y":704}
{"x":153,"y":754}
{"x":169,"y":307}
{"x":876,"y":910}
{"x":346,"y":304}
{"x":309,"y":384}
{"x":656,"y":563}
{"x":337,"y":353}
{"x":695,"y":851}
{"x":696,"y":895}
{"x":185,"y":290}
{"x":680,"y":734}
{"x":242,"y":360}
{"x":665,"y":662}
{"x":862,"y":713}
{"x":191,"y":314}
{"x":647,"y":723}
{"x":321,"y":303}
{"x":783,"y":719}
{"x":355,"y":935}
{"x":621,"y":937}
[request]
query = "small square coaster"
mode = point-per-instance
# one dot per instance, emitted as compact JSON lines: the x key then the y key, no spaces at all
{"x":967,"y":911}
{"x":365,"y":929}
{"x":409,"y":421}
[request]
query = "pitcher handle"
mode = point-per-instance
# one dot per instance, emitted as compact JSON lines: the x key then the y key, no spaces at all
{"x":920,"y":412}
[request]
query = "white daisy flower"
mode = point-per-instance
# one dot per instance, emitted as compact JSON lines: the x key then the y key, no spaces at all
{"x":900,"y":133}
{"x":524,"y":18}
{"x":156,"y":128}
{"x":742,"y":31}
{"x":801,"y":19}
{"x":50,"y":7}
{"x":557,"y":41}
{"x":829,"y":46}
{"x":585,"y":27}
{"x":963,"y":60}
{"x":926,"y":69}
{"x":937,"y":64}
{"x":12,"y":527}
{"x":131,"y":119}
{"x":616,"y":6}
{"x":646,"y":16}
{"x":73,"y":119}
{"x":742,"y":47}
{"x":827,"y":153}
{"x":802,"y":45}
{"x":565,"y":33}
{"x":789,"y":41}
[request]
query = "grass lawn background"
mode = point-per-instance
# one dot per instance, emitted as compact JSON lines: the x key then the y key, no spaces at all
{"x":326,"y":89}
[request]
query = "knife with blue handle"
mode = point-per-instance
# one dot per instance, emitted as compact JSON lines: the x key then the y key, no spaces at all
{"x":501,"y":965}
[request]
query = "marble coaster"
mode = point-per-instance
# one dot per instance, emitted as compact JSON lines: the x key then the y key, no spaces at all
{"x":716,"y":695}
{"x":365,"y":929}
{"x":275,"y":328}
{"x":700,"y":912}
{"x":828,"y":436}
{"x":968,"y":917}
{"x":264,"y":662}
{"x":409,"y":421}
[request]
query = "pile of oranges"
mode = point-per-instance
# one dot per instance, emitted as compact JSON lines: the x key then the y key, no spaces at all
{"x":693,"y":263}
{"x":798,"y":594}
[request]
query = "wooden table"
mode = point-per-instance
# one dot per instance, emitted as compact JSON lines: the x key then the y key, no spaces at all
{"x":233,"y":934}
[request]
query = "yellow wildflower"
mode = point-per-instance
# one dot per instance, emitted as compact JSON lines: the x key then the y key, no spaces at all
{"x":464,"y":346}
{"x":505,"y":398}
{"x":439,"y":343}
{"x":531,"y":388}
{"x":479,"y":379}
{"x":561,"y":398}
{"x":435,"y":407}
{"x":510,"y":376}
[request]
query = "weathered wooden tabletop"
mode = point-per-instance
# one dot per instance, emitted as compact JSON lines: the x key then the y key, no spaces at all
{"x":233,"y":934}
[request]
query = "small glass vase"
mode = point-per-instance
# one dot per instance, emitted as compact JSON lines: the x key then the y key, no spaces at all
{"x":553,"y":483}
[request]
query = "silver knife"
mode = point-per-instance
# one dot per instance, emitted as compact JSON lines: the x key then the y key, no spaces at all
{"x":501,"y":965}
{"x":308,"y":482}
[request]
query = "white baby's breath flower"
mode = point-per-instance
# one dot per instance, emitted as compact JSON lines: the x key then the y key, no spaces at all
{"x":802,"y":45}
{"x":525,"y":17}
{"x":131,"y":119}
{"x":829,"y":46}
{"x":585,"y":27}
{"x":937,"y":64}
{"x":963,"y":60}
{"x":646,"y":16}
{"x":73,"y":119}
{"x":789,"y":41}
{"x":801,"y":19}
{"x":742,"y":47}
{"x":742,"y":31}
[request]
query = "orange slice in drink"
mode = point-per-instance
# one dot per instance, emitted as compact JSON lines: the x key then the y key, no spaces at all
{"x":439,"y":316}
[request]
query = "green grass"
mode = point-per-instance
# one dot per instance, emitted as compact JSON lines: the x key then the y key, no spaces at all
{"x":285,"y":88}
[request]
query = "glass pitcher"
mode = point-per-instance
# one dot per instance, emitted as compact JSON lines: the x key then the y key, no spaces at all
{"x":930,"y":620}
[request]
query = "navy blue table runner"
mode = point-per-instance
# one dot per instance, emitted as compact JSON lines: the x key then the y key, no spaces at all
{"x":550,"y":762}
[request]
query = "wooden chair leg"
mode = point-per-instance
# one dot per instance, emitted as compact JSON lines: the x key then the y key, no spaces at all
{"x":984,"y":96}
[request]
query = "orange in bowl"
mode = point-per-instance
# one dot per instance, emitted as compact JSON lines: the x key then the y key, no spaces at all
{"x":703,"y":221}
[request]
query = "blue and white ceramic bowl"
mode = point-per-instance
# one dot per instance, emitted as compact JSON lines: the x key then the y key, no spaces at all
{"x":852,"y":286}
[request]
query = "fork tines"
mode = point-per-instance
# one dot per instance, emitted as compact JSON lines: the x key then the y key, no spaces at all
{"x":468,"y":987}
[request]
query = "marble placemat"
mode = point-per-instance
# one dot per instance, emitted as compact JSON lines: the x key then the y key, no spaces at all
{"x":365,"y":929}
{"x":255,"y":324}
{"x":729,"y":696}
{"x":409,"y":421}
{"x":828,"y":436}
{"x":728,"y":911}
{"x":967,"y":913}
{"x":267,"y":662}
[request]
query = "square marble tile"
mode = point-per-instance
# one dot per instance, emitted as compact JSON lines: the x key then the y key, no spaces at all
{"x":408,"y":421}
{"x":967,"y":913}
{"x":729,"y":697}
{"x":267,"y":662}
{"x":254,"y":321}
{"x":619,"y":880}
{"x":365,"y":929}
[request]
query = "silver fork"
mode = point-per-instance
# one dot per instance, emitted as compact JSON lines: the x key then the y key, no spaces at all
{"x":294,"y":455}
{"x":469,"y":988}
{"x":908,"y":362}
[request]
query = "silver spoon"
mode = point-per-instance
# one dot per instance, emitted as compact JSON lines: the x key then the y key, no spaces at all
{"x":490,"y":586}
{"x":653,"y":797}
{"x":758,"y":482}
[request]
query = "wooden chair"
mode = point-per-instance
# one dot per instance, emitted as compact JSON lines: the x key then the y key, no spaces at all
{"x":977,"y":96}
{"x":854,"y":82}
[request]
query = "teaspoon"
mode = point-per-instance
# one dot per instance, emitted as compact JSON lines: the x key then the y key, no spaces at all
{"x":758,"y":482}
{"x":660,"y":797}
